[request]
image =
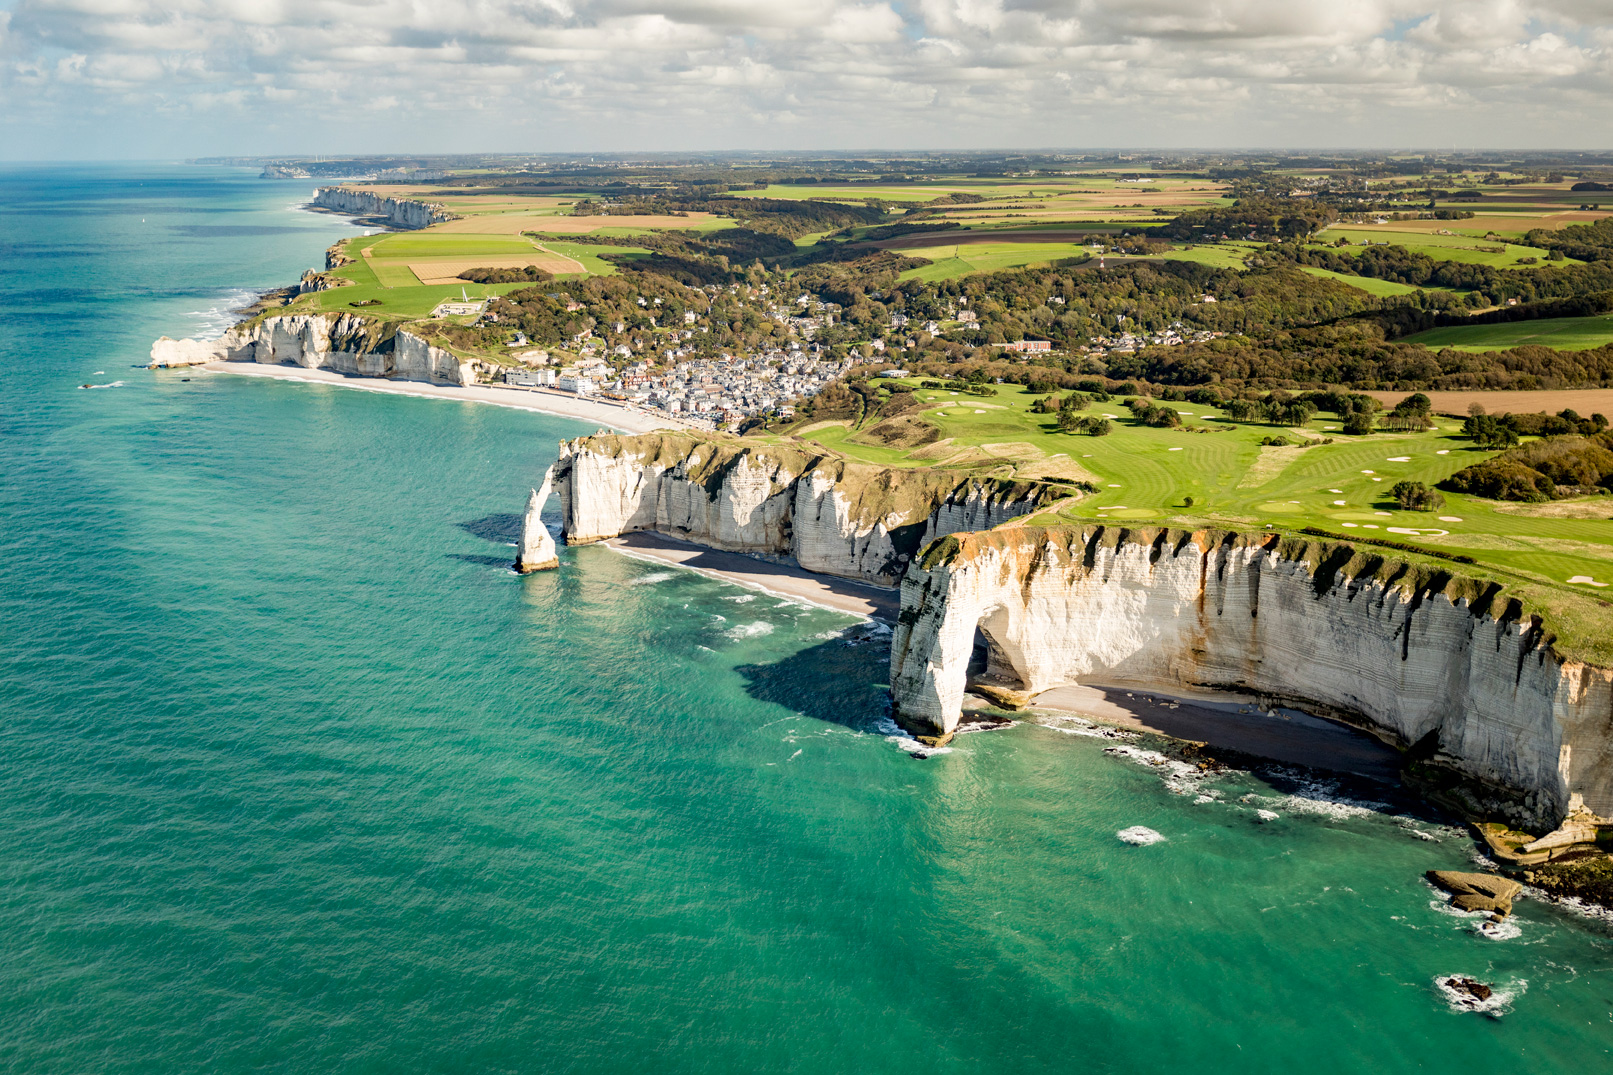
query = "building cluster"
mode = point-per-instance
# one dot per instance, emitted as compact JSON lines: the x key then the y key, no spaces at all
{"x":701,"y":391}
{"x":1123,"y":342}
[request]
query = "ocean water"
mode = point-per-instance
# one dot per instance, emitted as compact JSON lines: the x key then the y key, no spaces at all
{"x":296,"y":776}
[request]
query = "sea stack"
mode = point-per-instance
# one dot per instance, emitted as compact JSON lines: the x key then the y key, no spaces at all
{"x":537,"y":547}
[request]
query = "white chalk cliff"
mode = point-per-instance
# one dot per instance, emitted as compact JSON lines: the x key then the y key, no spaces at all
{"x":397,"y":212}
{"x":1411,"y":653}
{"x":345,"y":343}
{"x":826,"y":514}
{"x":537,"y":547}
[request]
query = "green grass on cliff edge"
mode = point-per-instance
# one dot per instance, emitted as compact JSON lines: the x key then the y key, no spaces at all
{"x":1145,"y":476}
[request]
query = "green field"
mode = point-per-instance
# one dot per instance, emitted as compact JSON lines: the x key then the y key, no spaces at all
{"x":588,"y":255}
{"x":427,"y":244}
{"x":397,"y":302}
{"x":1463,"y":248}
{"x":965,"y":258}
{"x":1561,"y":333}
{"x":1144,"y":473}
{"x":1367,"y":283}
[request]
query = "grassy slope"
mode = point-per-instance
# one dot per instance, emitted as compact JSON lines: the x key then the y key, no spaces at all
{"x":589,"y":256}
{"x":960,"y":260}
{"x":1236,"y":482}
{"x":1562,"y":333}
{"x":1463,"y":248}
{"x":1367,"y":283}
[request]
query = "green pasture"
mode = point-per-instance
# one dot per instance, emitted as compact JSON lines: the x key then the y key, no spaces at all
{"x":965,"y":258}
{"x":1216,"y":255}
{"x":397,"y":302}
{"x":1561,"y":333}
{"x":1367,"y":283}
{"x":1463,"y":248}
{"x":427,"y":244}
{"x":391,"y":273}
{"x":1144,"y":474}
{"x":589,"y":256}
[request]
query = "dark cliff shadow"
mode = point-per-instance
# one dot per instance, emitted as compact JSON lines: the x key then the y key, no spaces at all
{"x":840,"y":681}
{"x":505,"y":529}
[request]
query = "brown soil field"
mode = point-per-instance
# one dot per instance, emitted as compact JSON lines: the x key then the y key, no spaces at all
{"x":1586,"y":401}
{"x":447,"y":270}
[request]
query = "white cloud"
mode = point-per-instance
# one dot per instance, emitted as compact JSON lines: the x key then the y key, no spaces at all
{"x":277,"y":75}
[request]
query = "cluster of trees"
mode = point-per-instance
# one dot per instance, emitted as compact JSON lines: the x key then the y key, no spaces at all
{"x":1411,"y":414}
{"x":1486,"y":284}
{"x":1269,"y":219}
{"x":1415,"y":496}
{"x":1587,"y":242}
{"x":1090,"y":425}
{"x":1277,"y":410}
{"x":896,"y":231}
{"x":1355,"y":352}
{"x":1503,"y":430}
{"x":530,"y":274}
{"x":1070,"y":419}
{"x":1154,"y":414}
{"x":778,"y":216}
{"x":1540,"y":471}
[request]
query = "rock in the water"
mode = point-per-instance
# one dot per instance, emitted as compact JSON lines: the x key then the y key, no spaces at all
{"x":1139,"y":836}
{"x":537,"y":547}
{"x":1477,"y":891}
{"x":1471,"y":986}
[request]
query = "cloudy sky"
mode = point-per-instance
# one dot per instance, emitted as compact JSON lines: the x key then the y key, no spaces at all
{"x":159,"y":78}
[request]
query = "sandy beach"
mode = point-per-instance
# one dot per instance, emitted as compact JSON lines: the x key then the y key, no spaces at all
{"x":559,"y":404}
{"x":1230,"y":722}
{"x":782,"y":580}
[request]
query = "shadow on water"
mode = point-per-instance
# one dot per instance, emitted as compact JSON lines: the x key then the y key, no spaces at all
{"x":840,"y":681}
{"x":505,"y":529}
{"x":485,"y":561}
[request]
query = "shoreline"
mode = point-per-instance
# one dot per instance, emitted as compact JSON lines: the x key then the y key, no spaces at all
{"x":1226,"y":721}
{"x":775,"y":579}
{"x":555,"y":405}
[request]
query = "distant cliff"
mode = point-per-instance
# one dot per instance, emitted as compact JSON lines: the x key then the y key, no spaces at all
{"x":1414,"y":654}
{"x":345,"y":343}
{"x":396,"y":212}
{"x":825,"y":513}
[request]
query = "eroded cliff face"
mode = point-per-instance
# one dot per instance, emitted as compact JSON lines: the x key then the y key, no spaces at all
{"x":1415,"y":655}
{"x":829,"y":515}
{"x":397,"y":212}
{"x":345,"y":343}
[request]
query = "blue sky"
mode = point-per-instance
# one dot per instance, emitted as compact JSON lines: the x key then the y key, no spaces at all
{"x":135,"y":78}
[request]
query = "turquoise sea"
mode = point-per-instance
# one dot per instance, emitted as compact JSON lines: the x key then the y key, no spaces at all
{"x":296,"y":776}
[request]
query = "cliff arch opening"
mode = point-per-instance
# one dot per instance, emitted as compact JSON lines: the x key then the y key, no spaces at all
{"x":995,"y":659}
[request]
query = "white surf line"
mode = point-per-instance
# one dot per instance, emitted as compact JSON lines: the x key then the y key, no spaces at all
{"x":747,"y":584}
{"x":415,"y":391}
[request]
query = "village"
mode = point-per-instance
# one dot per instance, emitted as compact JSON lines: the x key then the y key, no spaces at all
{"x":683,"y":378}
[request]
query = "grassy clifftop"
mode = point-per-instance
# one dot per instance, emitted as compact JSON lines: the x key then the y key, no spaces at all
{"x":1574,"y":626}
{"x":874,"y":493}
